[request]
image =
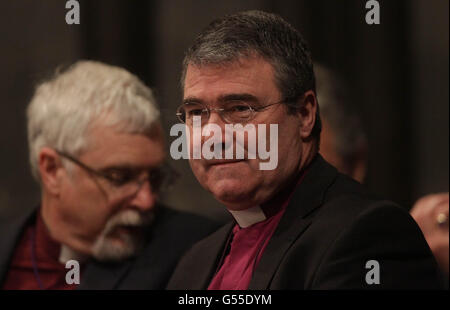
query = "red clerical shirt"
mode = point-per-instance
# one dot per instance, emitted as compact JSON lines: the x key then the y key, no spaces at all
{"x":35,"y":264}
{"x":247,"y":246}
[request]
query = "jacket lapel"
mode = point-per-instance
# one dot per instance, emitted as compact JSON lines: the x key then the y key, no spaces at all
{"x":101,"y":276}
{"x":307,"y":197}
{"x":217,"y":245}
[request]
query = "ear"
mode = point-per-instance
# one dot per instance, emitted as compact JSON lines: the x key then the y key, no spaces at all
{"x":50,"y":169}
{"x":307,"y":113}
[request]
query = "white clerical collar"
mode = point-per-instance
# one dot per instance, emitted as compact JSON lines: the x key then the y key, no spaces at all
{"x":248,"y":217}
{"x":67,"y":254}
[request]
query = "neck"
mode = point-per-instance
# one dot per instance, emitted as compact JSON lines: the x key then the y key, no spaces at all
{"x":58,"y":230}
{"x":68,"y":253}
{"x":309,"y":151}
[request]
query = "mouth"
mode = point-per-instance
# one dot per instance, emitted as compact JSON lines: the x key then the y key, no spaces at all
{"x":126,"y":230}
{"x":223,"y":162}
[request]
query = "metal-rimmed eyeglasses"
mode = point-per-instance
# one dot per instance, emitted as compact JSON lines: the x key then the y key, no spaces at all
{"x":234,"y":112}
{"x":125,"y":181}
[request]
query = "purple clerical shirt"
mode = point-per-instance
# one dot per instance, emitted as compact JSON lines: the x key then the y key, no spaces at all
{"x":247,"y":246}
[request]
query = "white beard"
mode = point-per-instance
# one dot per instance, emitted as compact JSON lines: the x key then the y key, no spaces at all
{"x":108,"y":248}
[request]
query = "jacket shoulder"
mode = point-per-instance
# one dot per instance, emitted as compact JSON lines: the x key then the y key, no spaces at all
{"x":172,"y":234}
{"x":358,"y":228}
{"x":180,"y":229}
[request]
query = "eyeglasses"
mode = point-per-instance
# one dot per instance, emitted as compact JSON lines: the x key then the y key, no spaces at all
{"x":126,"y":182}
{"x":234,"y":112}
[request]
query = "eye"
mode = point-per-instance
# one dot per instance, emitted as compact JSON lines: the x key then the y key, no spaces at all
{"x":238,"y":107}
{"x":119,"y":177}
{"x":241,"y":108}
{"x":195,"y":112}
{"x":238,"y":111}
{"x":192,"y":110}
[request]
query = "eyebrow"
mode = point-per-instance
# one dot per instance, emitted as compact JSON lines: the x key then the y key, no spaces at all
{"x":225,"y":98}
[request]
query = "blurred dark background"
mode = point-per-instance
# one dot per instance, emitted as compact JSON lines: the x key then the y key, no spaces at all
{"x":398,"y":73}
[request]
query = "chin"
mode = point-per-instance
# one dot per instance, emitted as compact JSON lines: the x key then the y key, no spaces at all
{"x":116,"y":247}
{"x":231,"y":191}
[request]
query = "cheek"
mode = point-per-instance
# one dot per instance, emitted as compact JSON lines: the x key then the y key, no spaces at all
{"x":198,"y":169}
{"x":86,"y":208}
{"x":289,"y":147}
{"x":195,"y":140}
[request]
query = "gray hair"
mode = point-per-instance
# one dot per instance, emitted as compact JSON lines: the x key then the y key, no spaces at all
{"x":258,"y":33}
{"x":338,"y":111}
{"x":65,"y":107}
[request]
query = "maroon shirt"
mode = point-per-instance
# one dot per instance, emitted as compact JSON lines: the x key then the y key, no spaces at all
{"x":247,"y":246}
{"x":51,"y":273}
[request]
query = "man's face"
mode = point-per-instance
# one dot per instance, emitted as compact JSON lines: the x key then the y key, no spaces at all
{"x":328,"y":149}
{"x":108,"y":218}
{"x":241,"y":184}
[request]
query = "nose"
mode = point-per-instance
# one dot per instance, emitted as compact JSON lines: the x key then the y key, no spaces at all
{"x":218,"y":142}
{"x":145,"y":198}
{"x":217,"y":119}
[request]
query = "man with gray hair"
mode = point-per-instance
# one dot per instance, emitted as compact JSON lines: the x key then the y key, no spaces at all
{"x":97,"y":150}
{"x":302,"y":225}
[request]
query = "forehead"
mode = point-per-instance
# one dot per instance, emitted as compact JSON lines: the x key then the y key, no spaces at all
{"x":252,"y":75}
{"x":108,"y":147}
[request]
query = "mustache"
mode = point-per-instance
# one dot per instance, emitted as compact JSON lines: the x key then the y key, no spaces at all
{"x":131,"y":218}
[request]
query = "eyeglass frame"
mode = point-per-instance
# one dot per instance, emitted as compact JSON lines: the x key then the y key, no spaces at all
{"x":172,"y":173}
{"x":220,"y":111}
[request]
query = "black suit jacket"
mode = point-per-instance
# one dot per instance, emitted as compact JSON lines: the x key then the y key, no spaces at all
{"x":171,"y":234}
{"x":329,"y":231}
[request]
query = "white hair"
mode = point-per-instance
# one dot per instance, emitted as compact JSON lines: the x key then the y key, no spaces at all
{"x":66,"y":106}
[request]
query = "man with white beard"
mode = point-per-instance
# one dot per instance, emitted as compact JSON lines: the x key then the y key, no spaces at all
{"x":97,"y":151}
